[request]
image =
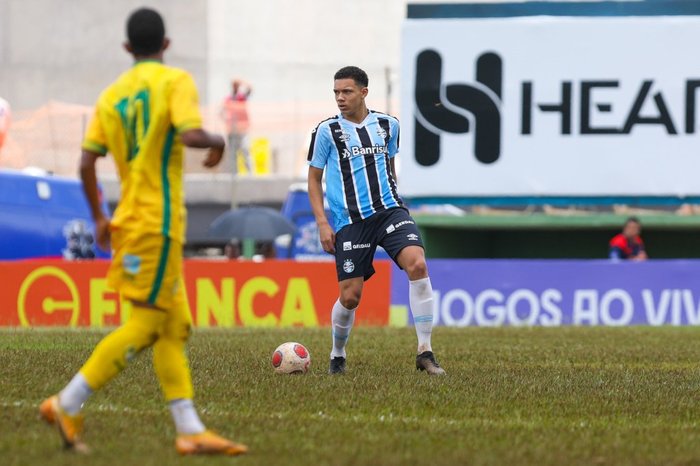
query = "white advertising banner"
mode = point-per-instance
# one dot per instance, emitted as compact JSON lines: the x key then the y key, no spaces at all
{"x":550,"y":106}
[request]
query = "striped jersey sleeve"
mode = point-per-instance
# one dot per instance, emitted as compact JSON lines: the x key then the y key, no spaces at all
{"x":318,"y":149}
{"x":320,"y":146}
{"x":394,"y":137}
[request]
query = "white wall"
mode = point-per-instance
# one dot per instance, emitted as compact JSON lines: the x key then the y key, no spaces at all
{"x":289,"y":51}
{"x":68,"y":50}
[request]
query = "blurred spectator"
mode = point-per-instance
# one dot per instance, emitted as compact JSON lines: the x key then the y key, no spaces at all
{"x":232,"y":250}
{"x":265,"y":249}
{"x":628,"y":245}
{"x":235,"y":114}
{"x":80,"y":244}
{"x":4,"y":120}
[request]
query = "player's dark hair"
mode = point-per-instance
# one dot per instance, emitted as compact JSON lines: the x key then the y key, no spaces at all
{"x":632,"y":220}
{"x":354,"y":73}
{"x":145,"y":30}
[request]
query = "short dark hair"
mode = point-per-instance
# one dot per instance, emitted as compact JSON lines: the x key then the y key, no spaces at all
{"x":632,"y":220}
{"x":354,"y":73}
{"x":145,"y":30}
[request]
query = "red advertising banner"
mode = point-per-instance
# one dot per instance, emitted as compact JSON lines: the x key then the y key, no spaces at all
{"x":274,"y":293}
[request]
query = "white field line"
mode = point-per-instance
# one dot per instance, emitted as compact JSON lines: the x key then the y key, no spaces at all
{"x":320,"y":415}
{"x":605,"y":422}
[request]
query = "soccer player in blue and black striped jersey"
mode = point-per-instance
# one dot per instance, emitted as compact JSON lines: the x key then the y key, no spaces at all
{"x":356,"y":149}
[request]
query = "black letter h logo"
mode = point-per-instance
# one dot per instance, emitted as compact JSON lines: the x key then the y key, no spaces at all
{"x":431,"y":111}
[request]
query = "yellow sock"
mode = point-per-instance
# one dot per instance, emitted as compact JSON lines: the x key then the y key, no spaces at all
{"x":169,"y":357}
{"x":115,"y":350}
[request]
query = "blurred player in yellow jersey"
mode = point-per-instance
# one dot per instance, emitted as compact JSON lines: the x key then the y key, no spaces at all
{"x":144,"y":119}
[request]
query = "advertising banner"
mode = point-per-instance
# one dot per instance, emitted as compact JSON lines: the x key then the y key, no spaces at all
{"x":220,"y":293}
{"x":550,"y":106}
{"x":305,"y":244}
{"x":553,"y":293}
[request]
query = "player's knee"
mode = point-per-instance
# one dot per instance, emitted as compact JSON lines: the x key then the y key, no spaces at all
{"x":350,"y":302}
{"x":350,"y":299}
{"x":417,"y":268}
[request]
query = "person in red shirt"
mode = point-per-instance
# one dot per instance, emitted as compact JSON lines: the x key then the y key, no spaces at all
{"x":628,"y":245}
{"x":234,"y":112}
{"x":4,"y":120}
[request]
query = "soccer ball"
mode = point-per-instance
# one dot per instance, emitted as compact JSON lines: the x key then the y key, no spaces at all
{"x":291,"y":358}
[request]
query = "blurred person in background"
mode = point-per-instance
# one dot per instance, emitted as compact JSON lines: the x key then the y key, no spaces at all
{"x":265,"y":249}
{"x":80,"y":242}
{"x":144,"y":119}
{"x":628,"y":245}
{"x":4,"y":120}
{"x":234,"y":112}
{"x":232,"y":250}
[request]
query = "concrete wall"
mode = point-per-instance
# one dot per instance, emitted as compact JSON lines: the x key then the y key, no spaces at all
{"x":68,"y":50}
{"x":289,"y":52}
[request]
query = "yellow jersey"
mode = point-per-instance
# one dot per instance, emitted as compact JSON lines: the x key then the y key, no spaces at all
{"x":138,"y":119}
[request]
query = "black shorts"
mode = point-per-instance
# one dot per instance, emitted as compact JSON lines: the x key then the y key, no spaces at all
{"x":356,"y":243}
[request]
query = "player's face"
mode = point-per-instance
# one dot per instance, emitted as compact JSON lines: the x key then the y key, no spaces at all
{"x":349,"y":96}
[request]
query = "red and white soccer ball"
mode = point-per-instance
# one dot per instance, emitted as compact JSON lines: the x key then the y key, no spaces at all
{"x":291,"y":358}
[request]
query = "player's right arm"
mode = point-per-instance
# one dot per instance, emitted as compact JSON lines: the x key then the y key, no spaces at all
{"x":94,"y":146}
{"x":325,"y":232}
{"x":185,"y":117}
{"x":319,"y":149}
{"x":88,"y":175}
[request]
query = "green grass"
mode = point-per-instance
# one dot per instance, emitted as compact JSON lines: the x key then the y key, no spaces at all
{"x":512,"y":396}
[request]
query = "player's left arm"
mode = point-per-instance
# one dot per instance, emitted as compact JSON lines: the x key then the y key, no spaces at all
{"x":392,"y":165}
{"x":393,"y":147}
{"x":187,"y":120}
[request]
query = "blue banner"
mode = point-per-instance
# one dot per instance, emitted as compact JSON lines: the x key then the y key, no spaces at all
{"x":554,"y":292}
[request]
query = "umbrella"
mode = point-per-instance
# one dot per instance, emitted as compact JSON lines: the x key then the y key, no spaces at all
{"x":258,"y":223}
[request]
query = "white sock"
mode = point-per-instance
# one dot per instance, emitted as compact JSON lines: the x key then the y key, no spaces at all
{"x":185,"y":416}
{"x":420,"y":296}
{"x":342,"y":320}
{"x":74,"y":395}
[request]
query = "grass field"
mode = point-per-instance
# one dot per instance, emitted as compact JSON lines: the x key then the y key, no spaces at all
{"x":512,"y":396}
